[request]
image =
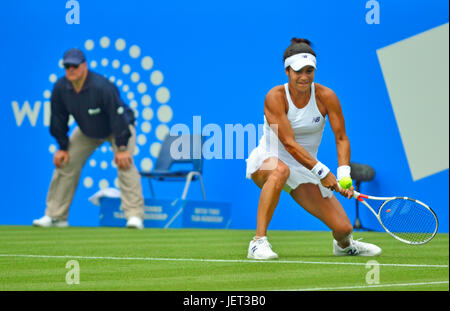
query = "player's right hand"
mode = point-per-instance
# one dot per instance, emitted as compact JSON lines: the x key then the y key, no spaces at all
{"x":61,"y":158}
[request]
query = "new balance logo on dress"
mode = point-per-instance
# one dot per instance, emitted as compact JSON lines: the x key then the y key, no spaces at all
{"x":316,"y":119}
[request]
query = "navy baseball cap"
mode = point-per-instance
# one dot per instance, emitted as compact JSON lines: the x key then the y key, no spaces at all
{"x":74,"y":56}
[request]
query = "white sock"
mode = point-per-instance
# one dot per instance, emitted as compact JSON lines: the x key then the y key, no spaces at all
{"x":256,"y":238}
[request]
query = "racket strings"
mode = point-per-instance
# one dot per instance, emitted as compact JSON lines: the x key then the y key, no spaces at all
{"x":408,"y":220}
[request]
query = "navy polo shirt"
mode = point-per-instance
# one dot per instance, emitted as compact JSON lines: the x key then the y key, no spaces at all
{"x":98,"y":110}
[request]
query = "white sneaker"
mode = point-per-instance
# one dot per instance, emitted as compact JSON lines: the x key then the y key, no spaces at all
{"x":261,"y":249}
{"x":135,"y":222}
{"x":356,"y":248}
{"x":47,"y":222}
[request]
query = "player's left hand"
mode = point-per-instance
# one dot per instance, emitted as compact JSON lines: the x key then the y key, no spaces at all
{"x":123,"y":159}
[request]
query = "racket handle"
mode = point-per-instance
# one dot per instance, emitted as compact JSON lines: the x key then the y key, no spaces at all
{"x":358,"y":195}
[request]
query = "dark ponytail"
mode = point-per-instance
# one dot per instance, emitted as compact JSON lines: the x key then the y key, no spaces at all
{"x":300,"y":40}
{"x":298,"y":45}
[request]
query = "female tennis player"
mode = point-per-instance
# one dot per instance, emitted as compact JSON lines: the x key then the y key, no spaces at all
{"x":286,"y":157}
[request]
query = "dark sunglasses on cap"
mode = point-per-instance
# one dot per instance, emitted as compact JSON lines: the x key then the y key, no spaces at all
{"x":67,"y":66}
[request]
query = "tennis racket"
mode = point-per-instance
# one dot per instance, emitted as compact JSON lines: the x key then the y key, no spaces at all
{"x":407,"y":220}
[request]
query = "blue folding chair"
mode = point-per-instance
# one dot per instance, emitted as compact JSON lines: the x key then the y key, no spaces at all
{"x":183,"y":149}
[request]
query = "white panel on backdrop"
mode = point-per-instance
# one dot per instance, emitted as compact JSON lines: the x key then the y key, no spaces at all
{"x":416,"y":72}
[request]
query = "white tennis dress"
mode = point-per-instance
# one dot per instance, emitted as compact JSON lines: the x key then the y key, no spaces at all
{"x":308,"y":125}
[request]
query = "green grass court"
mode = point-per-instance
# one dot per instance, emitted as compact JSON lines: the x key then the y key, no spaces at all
{"x":209,"y":260}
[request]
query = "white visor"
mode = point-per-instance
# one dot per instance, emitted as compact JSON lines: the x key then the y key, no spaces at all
{"x":298,"y":61}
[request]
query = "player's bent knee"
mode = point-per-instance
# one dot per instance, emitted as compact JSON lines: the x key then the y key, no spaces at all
{"x":279,"y":176}
{"x":283,"y":170}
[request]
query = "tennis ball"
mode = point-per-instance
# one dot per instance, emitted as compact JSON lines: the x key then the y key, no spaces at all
{"x":345,"y":182}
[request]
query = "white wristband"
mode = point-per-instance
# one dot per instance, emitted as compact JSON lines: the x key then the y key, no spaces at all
{"x":320,"y":170}
{"x":343,"y":171}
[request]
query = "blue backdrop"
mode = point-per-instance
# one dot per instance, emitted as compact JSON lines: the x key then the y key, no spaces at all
{"x":174,"y":60}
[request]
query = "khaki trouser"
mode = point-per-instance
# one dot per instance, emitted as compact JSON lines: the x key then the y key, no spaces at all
{"x":65,"y":180}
